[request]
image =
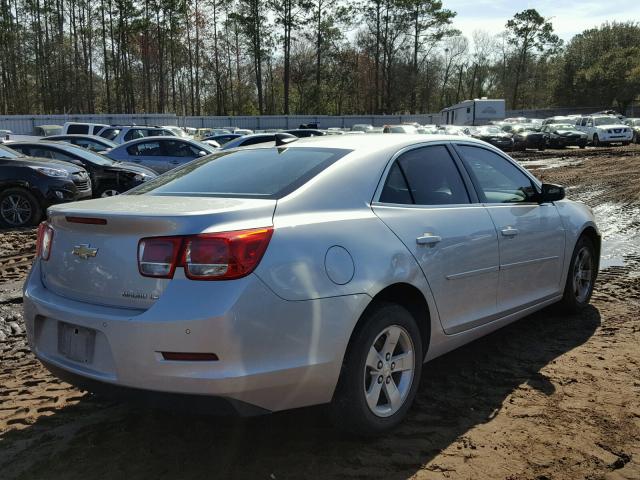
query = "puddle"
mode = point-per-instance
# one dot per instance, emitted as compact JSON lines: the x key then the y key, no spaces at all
{"x":619,"y":226}
{"x":548,"y":163}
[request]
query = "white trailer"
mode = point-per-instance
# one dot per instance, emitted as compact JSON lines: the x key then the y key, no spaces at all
{"x":473,"y":112}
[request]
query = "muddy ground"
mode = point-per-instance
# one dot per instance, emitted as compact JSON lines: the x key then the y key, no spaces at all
{"x":549,"y":397}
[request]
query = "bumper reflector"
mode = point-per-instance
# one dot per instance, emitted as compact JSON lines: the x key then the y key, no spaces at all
{"x":190,"y":357}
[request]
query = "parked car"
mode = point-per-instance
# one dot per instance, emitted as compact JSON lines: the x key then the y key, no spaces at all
{"x":108,"y":177}
{"x":223,"y":138}
{"x":28,"y":186}
{"x":563,"y":135}
{"x":90,"y":142}
{"x":634,"y":123}
{"x":124,"y":133}
{"x":253,"y":139}
{"x":160,"y":154}
{"x":305,"y":132}
{"x":326,"y":272}
{"x":604,"y":130}
{"x":493,"y":135}
{"x":527,"y":136}
{"x":80,"y":128}
{"x":361,"y":127}
{"x":399,"y":129}
{"x":204,"y":133}
{"x":46,"y":130}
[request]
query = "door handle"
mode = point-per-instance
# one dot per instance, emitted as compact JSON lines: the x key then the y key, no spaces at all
{"x":175,"y":162}
{"x":509,"y":232}
{"x":428,"y":239}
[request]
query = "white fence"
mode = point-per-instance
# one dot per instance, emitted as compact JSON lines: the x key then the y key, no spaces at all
{"x":23,"y":124}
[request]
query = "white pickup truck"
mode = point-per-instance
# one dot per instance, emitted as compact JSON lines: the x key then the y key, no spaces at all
{"x":604,"y":130}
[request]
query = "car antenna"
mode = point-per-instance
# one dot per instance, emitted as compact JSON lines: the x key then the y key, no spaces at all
{"x":284,"y":138}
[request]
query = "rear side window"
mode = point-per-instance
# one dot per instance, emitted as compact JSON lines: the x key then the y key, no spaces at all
{"x":262,"y":173}
{"x":78,"y":129}
{"x":497,"y":180}
{"x":425,"y":176}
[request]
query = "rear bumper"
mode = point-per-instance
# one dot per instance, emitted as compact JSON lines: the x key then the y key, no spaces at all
{"x":273,"y":354}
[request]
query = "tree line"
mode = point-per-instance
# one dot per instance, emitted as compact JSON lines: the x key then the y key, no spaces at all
{"x":244,"y":57}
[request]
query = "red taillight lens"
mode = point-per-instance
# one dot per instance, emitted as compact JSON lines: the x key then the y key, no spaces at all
{"x":224,"y":256}
{"x":157,"y":257}
{"x":45,"y":239}
{"x":210,"y":256}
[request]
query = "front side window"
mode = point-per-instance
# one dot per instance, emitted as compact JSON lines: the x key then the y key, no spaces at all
{"x":152,"y":149}
{"x":425,"y":176}
{"x":496,"y":179}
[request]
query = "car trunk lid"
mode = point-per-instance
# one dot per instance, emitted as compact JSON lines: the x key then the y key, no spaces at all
{"x":94,"y":250}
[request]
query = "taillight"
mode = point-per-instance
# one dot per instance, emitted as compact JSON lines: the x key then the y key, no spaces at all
{"x":223,"y":256}
{"x":158,"y":257}
{"x":44,"y":241}
{"x":209,"y":256}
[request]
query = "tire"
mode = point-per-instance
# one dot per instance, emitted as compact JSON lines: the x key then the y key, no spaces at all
{"x":361,"y":371}
{"x":625,"y":144}
{"x":19,"y":208}
{"x":596,"y":140}
{"x":582,"y":145}
{"x":109,"y":191}
{"x":578,"y":291}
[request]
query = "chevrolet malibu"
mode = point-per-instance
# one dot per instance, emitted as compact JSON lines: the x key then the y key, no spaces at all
{"x":321,"y":270}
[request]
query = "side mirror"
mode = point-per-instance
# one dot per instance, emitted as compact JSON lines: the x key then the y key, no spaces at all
{"x":551,"y":193}
{"x":202,"y":153}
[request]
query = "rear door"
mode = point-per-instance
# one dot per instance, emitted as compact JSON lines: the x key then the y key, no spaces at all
{"x":150,"y":154}
{"x":531,"y":235}
{"x":178,"y":152}
{"x":428,"y":202}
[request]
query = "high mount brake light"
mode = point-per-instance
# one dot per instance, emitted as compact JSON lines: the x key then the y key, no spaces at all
{"x":44,"y":241}
{"x":208,"y":256}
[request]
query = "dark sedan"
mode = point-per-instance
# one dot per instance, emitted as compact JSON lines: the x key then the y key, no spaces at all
{"x":90,"y":142}
{"x":109,"y":177}
{"x":526,"y":136}
{"x":29,"y":185}
{"x":493,"y":135}
{"x":563,"y":135}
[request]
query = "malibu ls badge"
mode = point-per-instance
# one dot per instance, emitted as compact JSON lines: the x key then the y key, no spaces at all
{"x":84,"y":251}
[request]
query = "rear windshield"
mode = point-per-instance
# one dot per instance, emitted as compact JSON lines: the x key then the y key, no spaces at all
{"x":263,"y":173}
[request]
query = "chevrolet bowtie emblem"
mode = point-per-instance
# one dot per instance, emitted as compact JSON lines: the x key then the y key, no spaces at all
{"x":84,"y":251}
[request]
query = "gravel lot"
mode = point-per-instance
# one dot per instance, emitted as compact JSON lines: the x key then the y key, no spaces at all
{"x":549,"y":397}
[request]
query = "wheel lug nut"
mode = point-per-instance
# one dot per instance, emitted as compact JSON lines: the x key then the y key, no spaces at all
{"x":380,"y":379}
{"x":388,"y":380}
{"x":387,"y":356}
{"x":393,"y":365}
{"x":380,"y":365}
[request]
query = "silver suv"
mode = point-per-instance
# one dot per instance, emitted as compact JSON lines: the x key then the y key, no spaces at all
{"x":122,"y":134}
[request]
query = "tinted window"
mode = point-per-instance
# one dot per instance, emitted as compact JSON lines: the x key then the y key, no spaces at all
{"x":78,"y":129}
{"x":496,"y":178}
{"x":110,"y":133}
{"x":266,"y":173}
{"x":432,"y":178}
{"x":256,"y":140}
{"x":96,"y":129}
{"x":152,"y":148}
{"x":179,"y":149}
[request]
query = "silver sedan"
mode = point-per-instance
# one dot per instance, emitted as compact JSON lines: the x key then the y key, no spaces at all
{"x":324,"y":270}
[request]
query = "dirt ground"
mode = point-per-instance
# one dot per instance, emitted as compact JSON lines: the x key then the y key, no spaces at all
{"x":549,"y":397}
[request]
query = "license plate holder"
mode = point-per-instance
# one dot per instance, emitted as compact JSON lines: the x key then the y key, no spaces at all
{"x":76,"y":343}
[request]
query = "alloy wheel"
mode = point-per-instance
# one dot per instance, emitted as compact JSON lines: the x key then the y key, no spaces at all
{"x":583,"y":275}
{"x":389,"y":371}
{"x":16,"y":210}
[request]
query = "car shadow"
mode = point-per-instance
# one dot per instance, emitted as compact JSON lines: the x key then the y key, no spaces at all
{"x":459,"y":391}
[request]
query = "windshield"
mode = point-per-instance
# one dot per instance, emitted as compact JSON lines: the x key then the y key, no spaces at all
{"x":6,"y":152}
{"x":606,"y":121}
{"x":275,"y":172}
{"x":492,"y":130}
{"x":88,"y":155}
{"x":178,"y":131}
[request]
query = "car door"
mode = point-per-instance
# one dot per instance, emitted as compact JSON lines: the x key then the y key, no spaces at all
{"x":531,"y":235}
{"x":177,"y":153}
{"x":148,"y":153}
{"x":433,"y":210}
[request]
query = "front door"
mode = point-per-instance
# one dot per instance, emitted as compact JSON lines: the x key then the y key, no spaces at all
{"x":425,"y":202}
{"x":531,"y":235}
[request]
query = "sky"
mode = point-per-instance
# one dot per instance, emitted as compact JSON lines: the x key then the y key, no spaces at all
{"x":568,"y":16}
